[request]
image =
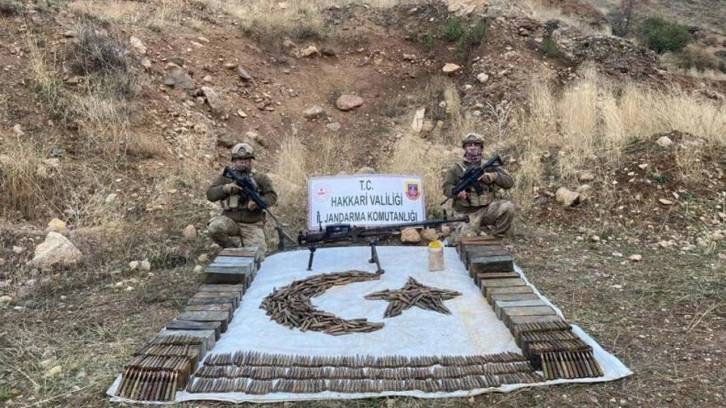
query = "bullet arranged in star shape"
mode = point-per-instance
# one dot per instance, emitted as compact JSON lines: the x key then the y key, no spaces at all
{"x":412,"y":294}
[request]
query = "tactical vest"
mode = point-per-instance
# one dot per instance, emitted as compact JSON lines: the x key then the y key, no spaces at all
{"x":476,"y":199}
{"x":234,"y":201}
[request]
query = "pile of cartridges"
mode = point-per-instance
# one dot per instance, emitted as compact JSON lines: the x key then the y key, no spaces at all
{"x":164,"y":365}
{"x":262,"y":373}
{"x":160,"y":368}
{"x":544,"y":337}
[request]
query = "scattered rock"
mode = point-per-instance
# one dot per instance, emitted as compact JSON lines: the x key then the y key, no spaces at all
{"x":57,"y":225}
{"x":664,"y":141}
{"x":243,"y":74}
{"x":482,"y":77}
{"x":410,"y":235}
{"x":418,"y":120}
{"x":586,"y":176}
{"x":255,"y":137}
{"x":567,"y":197}
{"x":429,"y":234}
{"x":18,"y":130}
{"x":594,"y":238}
{"x":53,"y":372}
{"x":56,"y":250}
{"x":203,"y":258}
{"x":636,"y":258}
{"x":665,"y":201}
{"x":348,"y":102}
{"x":180,"y":79}
{"x":451,"y":69}
{"x":146,"y":62}
{"x":110,"y":199}
{"x":198,"y":269}
{"x":5,"y":300}
{"x":189,"y":232}
{"x":241,"y":113}
{"x":214,"y":100}
{"x":333,"y":127}
{"x":138,"y":45}
{"x":313,"y":112}
{"x":145,"y":265}
{"x":308,"y":52}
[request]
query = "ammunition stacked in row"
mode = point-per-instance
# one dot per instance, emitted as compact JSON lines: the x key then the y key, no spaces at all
{"x":160,"y":368}
{"x":544,"y":337}
{"x":164,"y":365}
{"x":261,"y":373}
{"x":252,"y":358}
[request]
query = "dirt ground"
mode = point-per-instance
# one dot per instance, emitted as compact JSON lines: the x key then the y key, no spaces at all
{"x":664,"y":317}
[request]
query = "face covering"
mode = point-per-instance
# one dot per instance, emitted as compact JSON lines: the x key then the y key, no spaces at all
{"x":472,"y":154}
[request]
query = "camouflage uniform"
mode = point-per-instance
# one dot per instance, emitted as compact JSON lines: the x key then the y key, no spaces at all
{"x":483,"y":209}
{"x":238,"y":225}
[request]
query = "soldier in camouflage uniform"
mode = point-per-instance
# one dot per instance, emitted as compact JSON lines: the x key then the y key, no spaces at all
{"x":484,"y":209}
{"x":241,"y":222}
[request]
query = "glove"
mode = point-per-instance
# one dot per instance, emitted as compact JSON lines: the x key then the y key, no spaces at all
{"x":489,"y":178}
{"x":231,"y":188}
{"x":251,"y":205}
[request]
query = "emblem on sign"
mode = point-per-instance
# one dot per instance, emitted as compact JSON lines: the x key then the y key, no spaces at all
{"x":321,"y":192}
{"x":413,"y":191}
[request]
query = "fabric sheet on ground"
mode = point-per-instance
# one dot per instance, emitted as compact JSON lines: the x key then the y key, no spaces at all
{"x":472,"y":328}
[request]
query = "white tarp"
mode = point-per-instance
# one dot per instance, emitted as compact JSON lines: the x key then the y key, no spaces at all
{"x":471,"y":329}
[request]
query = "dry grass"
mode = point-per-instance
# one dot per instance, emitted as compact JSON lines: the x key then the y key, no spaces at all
{"x":591,"y":121}
{"x":103,"y":123}
{"x":22,"y":187}
{"x":47,"y":84}
{"x":113,"y":11}
{"x":542,"y":13}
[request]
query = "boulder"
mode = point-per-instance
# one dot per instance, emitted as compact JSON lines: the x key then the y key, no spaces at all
{"x":348,"y":102}
{"x":410,"y":235}
{"x":567,"y":197}
{"x":56,"y":250}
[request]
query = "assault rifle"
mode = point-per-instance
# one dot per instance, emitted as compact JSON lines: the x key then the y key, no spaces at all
{"x":470,"y":178}
{"x":248,"y":189}
{"x":345,"y":232}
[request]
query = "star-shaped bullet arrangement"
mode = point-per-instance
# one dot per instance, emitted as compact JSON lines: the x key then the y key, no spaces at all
{"x":414,"y":294}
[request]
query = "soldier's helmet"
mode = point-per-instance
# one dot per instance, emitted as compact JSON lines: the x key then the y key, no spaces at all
{"x":242,"y":151}
{"x":472,"y":138}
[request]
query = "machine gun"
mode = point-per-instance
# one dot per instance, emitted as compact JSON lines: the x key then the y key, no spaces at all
{"x":470,"y":178}
{"x":248,"y":189}
{"x":345,"y":232}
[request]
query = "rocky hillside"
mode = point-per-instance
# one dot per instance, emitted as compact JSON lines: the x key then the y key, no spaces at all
{"x":117,"y":116}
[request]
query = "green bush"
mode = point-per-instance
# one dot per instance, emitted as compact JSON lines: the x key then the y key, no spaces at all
{"x":467,"y":36}
{"x":663,"y":36}
{"x":452,"y":29}
{"x":549,"y":47}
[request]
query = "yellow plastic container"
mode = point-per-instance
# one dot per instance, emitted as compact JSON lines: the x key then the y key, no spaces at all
{"x":436,"y":256}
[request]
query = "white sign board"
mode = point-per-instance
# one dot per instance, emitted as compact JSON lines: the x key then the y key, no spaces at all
{"x":365,"y":200}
